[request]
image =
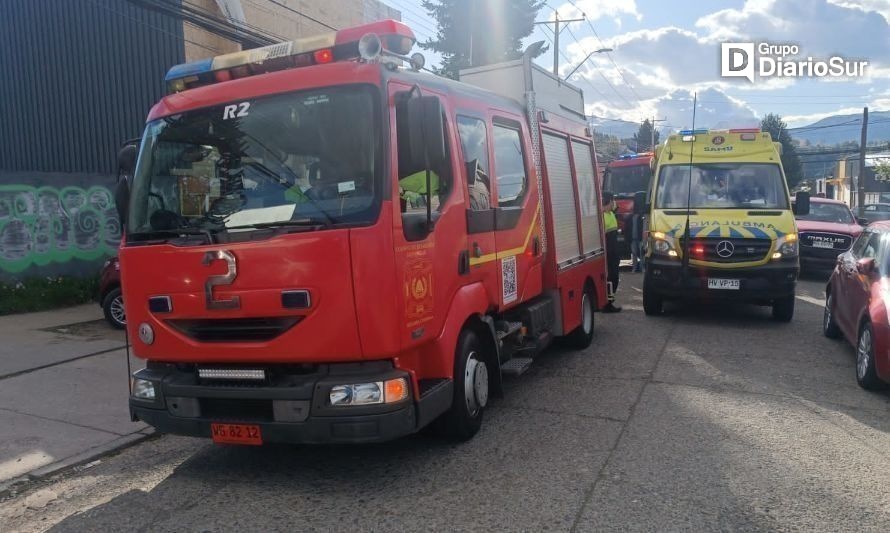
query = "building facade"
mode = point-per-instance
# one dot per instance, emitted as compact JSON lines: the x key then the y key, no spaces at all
{"x":79,"y":79}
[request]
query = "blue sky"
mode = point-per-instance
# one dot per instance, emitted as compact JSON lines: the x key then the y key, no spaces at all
{"x":665,"y":51}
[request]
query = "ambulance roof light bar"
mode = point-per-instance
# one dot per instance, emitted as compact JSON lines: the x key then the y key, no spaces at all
{"x":395,"y":39}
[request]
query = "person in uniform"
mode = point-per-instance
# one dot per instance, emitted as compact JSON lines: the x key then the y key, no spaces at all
{"x":613,"y":260}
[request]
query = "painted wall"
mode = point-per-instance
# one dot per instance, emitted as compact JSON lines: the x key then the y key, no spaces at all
{"x":52,"y":225}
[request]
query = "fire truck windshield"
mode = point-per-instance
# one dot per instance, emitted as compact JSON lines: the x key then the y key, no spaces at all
{"x":626,"y":181}
{"x":310,"y":157}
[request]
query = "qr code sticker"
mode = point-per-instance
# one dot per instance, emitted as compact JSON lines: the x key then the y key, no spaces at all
{"x":508,"y":277}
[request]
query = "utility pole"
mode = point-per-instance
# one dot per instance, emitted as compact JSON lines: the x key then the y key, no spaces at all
{"x":654,"y":120}
{"x":556,"y":31}
{"x":860,"y":182}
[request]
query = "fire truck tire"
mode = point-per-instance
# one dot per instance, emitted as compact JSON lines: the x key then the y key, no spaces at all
{"x":464,"y":418}
{"x":581,"y":337}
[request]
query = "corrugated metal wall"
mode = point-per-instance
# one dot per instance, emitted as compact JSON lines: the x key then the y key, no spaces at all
{"x":77,"y":77}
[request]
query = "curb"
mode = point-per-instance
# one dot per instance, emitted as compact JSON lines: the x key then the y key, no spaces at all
{"x":20,"y":484}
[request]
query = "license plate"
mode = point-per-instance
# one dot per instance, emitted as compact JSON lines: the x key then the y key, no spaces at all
{"x":236,"y":434}
{"x":724,"y":284}
{"x":823,"y":244}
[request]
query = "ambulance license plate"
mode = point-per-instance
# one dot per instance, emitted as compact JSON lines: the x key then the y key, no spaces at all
{"x":823,"y":244}
{"x":248,"y":434}
{"x":724,"y":284}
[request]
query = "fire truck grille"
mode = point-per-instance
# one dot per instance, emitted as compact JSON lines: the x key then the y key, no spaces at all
{"x":233,"y":329}
{"x":720,"y":250}
{"x":829,"y":241}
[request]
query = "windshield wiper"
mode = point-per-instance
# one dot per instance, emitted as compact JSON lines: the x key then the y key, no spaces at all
{"x":307,"y":223}
{"x":177,"y":232}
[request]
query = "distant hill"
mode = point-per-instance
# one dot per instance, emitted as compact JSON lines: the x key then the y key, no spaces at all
{"x":838,"y":129}
{"x":622,"y":129}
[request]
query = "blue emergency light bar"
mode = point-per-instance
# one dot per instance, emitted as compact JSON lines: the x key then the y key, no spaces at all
{"x":628,"y":156}
{"x":693,"y":132}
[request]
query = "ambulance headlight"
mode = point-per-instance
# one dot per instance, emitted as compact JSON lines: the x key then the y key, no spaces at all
{"x":786,"y":247}
{"x":661,"y":246}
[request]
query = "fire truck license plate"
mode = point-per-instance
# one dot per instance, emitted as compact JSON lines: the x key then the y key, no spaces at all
{"x":236,"y":434}
{"x":724,"y":284}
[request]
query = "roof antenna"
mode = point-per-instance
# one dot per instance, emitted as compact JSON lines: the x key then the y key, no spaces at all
{"x":686,"y":236}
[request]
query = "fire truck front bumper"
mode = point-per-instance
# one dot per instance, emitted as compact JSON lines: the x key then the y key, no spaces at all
{"x":291,"y":404}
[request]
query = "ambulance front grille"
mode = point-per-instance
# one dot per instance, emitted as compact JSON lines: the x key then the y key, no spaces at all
{"x":740,"y":250}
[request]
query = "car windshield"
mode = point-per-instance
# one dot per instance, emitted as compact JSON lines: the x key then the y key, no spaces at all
{"x":626,"y":181}
{"x":299,"y":158}
{"x":721,"y":186}
{"x":825,"y":212}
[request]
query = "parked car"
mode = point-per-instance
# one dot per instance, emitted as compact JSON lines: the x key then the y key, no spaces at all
{"x":110,"y":294}
{"x":869,"y":213}
{"x":856,"y":301}
{"x":827,"y":230}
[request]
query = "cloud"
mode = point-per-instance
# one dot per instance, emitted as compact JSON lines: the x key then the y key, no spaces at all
{"x":664,"y":64}
{"x":597,"y":9}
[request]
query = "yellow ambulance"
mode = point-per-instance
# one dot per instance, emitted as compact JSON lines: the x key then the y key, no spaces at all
{"x":721,"y":222}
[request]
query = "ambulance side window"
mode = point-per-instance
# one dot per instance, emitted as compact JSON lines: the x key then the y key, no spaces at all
{"x":474,"y":142}
{"x":509,"y":164}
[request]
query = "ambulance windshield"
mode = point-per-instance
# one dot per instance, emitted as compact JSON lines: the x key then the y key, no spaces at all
{"x":721,"y":186}
{"x":309,"y":158}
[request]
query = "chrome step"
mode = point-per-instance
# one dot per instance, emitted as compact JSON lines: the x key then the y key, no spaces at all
{"x":505,"y":329}
{"x":516,"y":366}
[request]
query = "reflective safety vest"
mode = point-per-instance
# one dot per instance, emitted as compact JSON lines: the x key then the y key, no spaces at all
{"x":610,"y":221}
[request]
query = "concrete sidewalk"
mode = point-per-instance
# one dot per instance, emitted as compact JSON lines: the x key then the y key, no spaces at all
{"x":63,"y":391}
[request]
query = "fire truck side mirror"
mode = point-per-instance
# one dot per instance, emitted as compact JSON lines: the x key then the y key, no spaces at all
{"x":640,"y":207}
{"x":126,"y":159}
{"x":122,"y":200}
{"x":426,"y":131}
{"x":802,"y":203}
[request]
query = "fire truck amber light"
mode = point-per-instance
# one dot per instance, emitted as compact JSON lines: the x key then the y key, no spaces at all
{"x":143,"y":389}
{"x":396,"y":390}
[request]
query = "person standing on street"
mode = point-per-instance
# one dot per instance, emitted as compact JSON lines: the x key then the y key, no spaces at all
{"x":613,"y":260}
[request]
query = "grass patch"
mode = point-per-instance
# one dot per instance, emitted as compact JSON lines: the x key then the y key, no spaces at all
{"x":40,"y":294}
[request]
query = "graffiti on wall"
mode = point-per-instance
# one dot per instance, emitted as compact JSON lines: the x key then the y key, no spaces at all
{"x":44,"y":225}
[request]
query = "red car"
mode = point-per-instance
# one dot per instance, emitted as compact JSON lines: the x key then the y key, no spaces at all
{"x":110,"y":294}
{"x":856,"y":301}
{"x":827,"y":230}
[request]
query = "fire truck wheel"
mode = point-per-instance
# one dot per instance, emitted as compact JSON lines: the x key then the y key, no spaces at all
{"x":464,"y":418}
{"x":582,"y":336}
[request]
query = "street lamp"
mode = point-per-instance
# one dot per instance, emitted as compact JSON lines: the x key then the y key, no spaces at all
{"x":600,"y":51}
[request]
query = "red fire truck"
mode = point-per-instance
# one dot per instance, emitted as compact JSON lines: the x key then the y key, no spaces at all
{"x":623,"y":177}
{"x":324,"y":244}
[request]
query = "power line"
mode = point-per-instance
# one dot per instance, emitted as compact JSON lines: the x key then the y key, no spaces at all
{"x":603,"y":76}
{"x":304,"y":15}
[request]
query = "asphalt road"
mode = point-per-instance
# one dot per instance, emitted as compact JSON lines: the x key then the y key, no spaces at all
{"x":710,"y":418}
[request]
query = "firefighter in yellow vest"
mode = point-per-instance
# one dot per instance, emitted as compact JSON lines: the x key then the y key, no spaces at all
{"x":613,"y":260}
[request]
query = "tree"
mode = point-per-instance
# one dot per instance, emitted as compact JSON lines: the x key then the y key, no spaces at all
{"x":790,"y":159}
{"x":882,"y":169}
{"x":473,"y":33}
{"x":643,"y":138}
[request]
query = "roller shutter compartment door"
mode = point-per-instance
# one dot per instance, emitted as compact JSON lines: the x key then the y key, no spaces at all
{"x":591,"y":238}
{"x":562,"y":197}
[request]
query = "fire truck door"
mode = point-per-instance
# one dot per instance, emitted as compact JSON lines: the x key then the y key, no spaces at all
{"x":481,"y":252}
{"x":516,"y":214}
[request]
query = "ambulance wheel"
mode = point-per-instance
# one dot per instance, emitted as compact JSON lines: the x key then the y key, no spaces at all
{"x":653,"y":303}
{"x":581,"y":337}
{"x":464,"y":418}
{"x":783,"y":309}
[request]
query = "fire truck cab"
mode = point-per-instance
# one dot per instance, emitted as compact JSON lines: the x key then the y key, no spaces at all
{"x":624,"y":177}
{"x":325,"y":246}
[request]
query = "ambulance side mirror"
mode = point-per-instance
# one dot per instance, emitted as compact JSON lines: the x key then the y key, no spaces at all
{"x":640,"y":207}
{"x":802,"y":203}
{"x":426,"y":129}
